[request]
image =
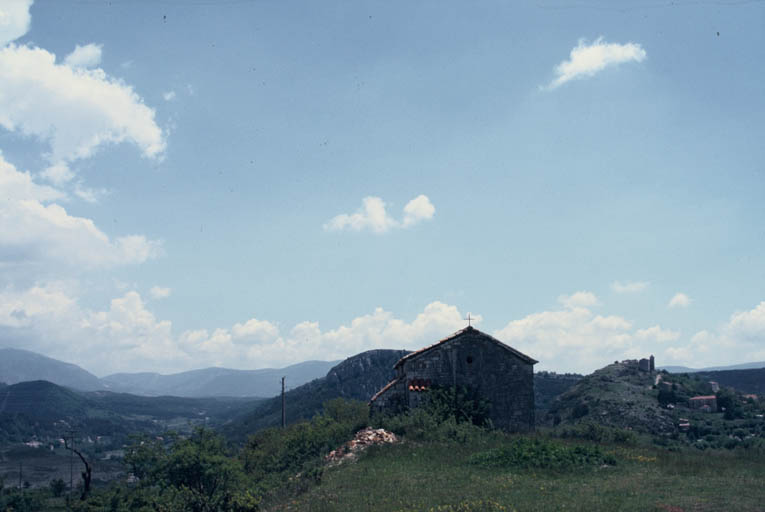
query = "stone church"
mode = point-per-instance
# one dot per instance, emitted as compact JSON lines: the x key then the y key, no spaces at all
{"x":498,"y":373}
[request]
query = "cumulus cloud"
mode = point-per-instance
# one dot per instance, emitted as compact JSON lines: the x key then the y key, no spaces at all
{"x":679,"y":300}
{"x":629,"y":286}
{"x":74,"y":109}
{"x":169,"y":95}
{"x":58,"y":174}
{"x":739,"y":340}
{"x":573,"y":339}
{"x":579,"y":300}
{"x":34,"y":229}
{"x":127,"y":336}
{"x":417,"y":210}
{"x":14,"y":20}
{"x":577,"y":339}
{"x":373,"y":216}
{"x":658,"y":334}
{"x":157,"y":292}
{"x":88,"y":56}
{"x":586,"y":60}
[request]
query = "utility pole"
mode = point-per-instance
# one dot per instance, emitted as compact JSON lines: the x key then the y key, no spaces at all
{"x":71,"y":462}
{"x":284,"y":416}
{"x":20,"y":466}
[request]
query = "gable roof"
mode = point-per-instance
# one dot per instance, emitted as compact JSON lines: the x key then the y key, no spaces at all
{"x":468,"y":329}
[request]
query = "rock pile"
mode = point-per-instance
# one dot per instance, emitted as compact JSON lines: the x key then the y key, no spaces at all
{"x":360,"y":442}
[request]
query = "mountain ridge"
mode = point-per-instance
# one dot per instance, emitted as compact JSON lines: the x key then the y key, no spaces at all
{"x":19,"y":365}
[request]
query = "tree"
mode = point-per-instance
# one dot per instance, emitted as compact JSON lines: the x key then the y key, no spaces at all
{"x":86,"y":475}
{"x":57,"y":487}
{"x":195,"y":474}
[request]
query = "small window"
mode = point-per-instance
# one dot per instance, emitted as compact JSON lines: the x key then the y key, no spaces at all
{"x":469,"y":359}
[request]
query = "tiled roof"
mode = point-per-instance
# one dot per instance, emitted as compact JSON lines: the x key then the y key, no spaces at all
{"x":383,"y":390}
{"x":457,"y":334}
{"x":704,"y":397}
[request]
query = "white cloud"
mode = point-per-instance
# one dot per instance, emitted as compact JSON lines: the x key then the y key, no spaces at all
{"x":658,"y":334}
{"x":169,"y":96}
{"x":157,"y":292}
{"x":418,"y":209}
{"x":373,"y":216}
{"x":748,"y":326}
{"x":586,"y":60}
{"x":33,"y":229}
{"x":572,"y":339}
{"x":88,"y":56}
{"x":254,"y":331}
{"x":14,"y":20}
{"x":679,"y":300}
{"x":629,"y":286}
{"x":75,"y":110}
{"x":58,"y":174}
{"x":128,"y":337}
{"x":579,"y":300}
{"x":90,"y":195}
{"x":740,"y":339}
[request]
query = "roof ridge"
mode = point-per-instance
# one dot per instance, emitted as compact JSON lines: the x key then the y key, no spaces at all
{"x":469,"y":328}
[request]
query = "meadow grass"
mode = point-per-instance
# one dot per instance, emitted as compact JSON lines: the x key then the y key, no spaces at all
{"x":444,"y":476}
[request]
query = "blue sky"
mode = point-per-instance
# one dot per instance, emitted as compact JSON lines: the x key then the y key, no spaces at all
{"x":253,"y":184}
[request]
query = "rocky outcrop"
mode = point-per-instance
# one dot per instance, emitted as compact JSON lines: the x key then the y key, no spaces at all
{"x":363,"y":439}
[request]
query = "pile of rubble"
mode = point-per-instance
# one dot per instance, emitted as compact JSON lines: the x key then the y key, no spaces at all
{"x":360,"y":442}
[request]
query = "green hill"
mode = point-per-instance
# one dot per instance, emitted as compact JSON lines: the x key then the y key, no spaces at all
{"x":358,"y":378}
{"x":618,"y":395}
{"x":45,"y":411}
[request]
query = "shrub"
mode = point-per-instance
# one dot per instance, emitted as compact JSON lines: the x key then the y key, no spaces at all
{"x":542,"y":454}
{"x":595,"y":432}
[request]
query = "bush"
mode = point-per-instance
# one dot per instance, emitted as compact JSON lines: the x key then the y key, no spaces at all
{"x":299,"y":448}
{"x":194,"y":474}
{"x":597,"y":433}
{"x":542,"y":454}
{"x":448,"y":414}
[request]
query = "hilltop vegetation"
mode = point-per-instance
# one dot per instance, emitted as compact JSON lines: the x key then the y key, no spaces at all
{"x":657,"y":405}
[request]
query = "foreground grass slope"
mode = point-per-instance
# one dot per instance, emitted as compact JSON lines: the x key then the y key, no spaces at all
{"x":446,"y":476}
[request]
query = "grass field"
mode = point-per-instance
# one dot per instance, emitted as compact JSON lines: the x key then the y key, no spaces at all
{"x":445,"y":477}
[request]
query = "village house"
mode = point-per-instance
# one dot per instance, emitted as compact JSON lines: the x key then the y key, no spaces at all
{"x":469,"y":358}
{"x":707,"y":403}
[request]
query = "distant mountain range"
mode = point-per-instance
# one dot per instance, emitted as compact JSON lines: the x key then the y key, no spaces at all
{"x":18,"y":365}
{"x":685,"y":369}
{"x":22,"y":365}
{"x":218,"y":381}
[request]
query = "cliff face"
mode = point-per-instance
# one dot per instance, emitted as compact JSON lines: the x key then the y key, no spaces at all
{"x":361,"y":376}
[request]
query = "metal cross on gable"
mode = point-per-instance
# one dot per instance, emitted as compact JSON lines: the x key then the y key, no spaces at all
{"x":469,"y":319}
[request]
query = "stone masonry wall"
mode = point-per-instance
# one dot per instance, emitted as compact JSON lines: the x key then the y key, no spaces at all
{"x":472,"y":360}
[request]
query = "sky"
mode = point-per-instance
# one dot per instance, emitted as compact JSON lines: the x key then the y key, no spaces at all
{"x":251,"y":184}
